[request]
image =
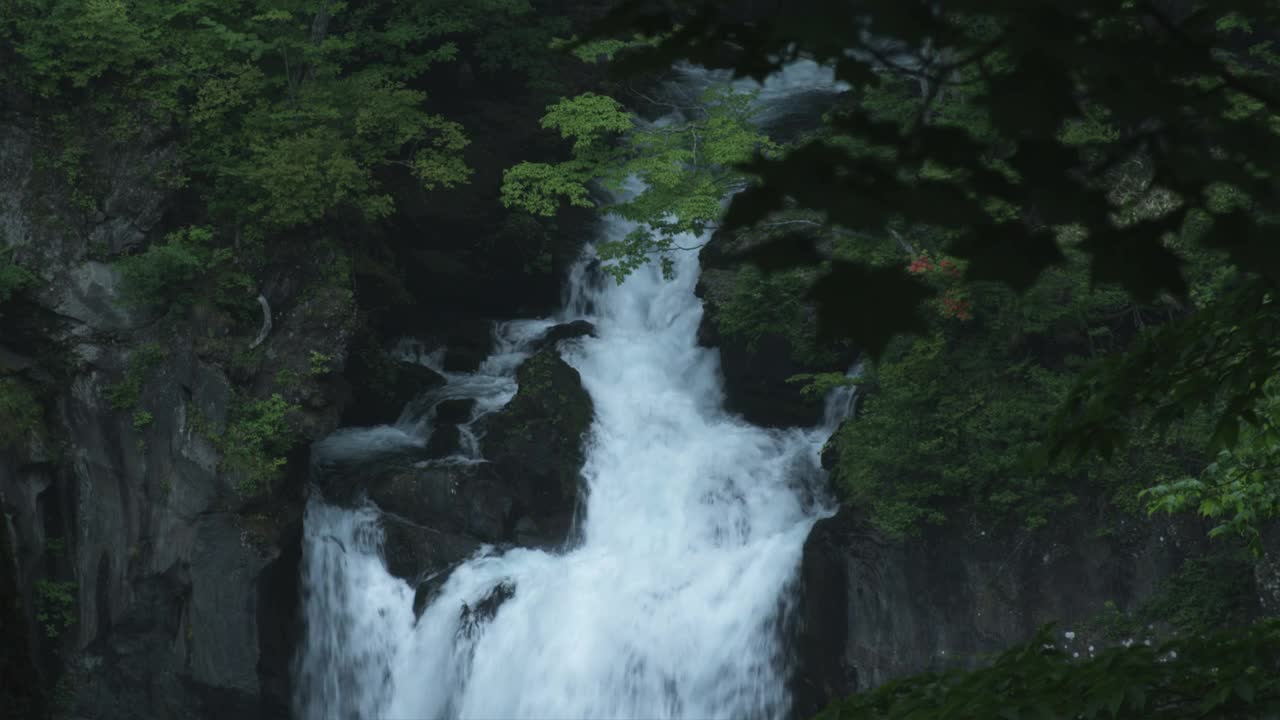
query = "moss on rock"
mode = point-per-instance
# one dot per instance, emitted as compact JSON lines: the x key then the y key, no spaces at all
{"x":536,"y":442}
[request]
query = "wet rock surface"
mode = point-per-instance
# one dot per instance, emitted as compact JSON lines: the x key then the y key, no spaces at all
{"x":383,"y":384}
{"x":567,"y":331}
{"x":757,"y":369}
{"x":436,"y":512}
{"x":179,"y":589}
{"x":872,"y":609}
{"x":456,"y":498}
{"x":536,"y":445}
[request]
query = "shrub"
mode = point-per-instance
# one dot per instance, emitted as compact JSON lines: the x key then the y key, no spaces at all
{"x":184,"y":269}
{"x":321,"y":363}
{"x":126,"y":393}
{"x":760,"y":304}
{"x":256,"y":441}
{"x":13,"y":277}
{"x":20,"y":413}
{"x":55,"y":606}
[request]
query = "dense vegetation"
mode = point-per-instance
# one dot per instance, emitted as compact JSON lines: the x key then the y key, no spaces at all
{"x":293,"y":138}
{"x":289,"y":112}
{"x":296,"y":123}
{"x":1060,"y":212}
{"x":1067,"y":208}
{"x":684,"y":169}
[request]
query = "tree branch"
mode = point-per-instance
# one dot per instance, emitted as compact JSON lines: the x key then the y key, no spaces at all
{"x":266,"y":323}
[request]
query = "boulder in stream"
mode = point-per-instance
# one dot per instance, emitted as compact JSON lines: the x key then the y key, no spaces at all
{"x":536,"y":446}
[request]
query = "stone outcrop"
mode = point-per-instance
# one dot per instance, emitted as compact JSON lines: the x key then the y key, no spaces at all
{"x":756,"y":370}
{"x":437,"y":512}
{"x":536,"y":445}
{"x":382,"y":385}
{"x":147,"y":582}
{"x":871,"y":609}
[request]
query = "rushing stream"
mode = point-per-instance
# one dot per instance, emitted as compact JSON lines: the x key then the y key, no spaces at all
{"x":668,"y":601}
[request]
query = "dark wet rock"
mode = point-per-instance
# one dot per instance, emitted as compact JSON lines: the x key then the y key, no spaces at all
{"x":172,"y":569}
{"x":569,"y":331}
{"x":871,"y":609}
{"x":185,"y":594}
{"x":279,"y":623}
{"x":382,"y":386}
{"x":19,"y":668}
{"x":454,"y":410}
{"x":464,"y":359}
{"x":756,"y":370}
{"x":474,"y":616}
{"x":467,"y":344}
{"x":755,"y":379}
{"x":417,"y":553}
{"x":1267,"y":570}
{"x":446,"y":440}
{"x":456,"y":498}
{"x":343,"y":478}
{"x":536,"y":444}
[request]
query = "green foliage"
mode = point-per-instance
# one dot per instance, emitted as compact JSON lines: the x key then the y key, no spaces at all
{"x":55,"y":606}
{"x":142,"y":420}
{"x":594,"y":50}
{"x":590,"y":121}
{"x":255,"y":443}
{"x":686,"y":168}
{"x":949,"y":418}
{"x":185,"y":268}
{"x":166,"y":271}
{"x":587,"y":120}
{"x":1008,"y":125}
{"x":818,"y":385}
{"x":1206,"y":593}
{"x":288,"y":379}
{"x":1224,"y":675}
{"x":66,"y":43}
{"x":55,"y":546}
{"x":1241,"y":488}
{"x":20,"y":412}
{"x":320,"y":363}
{"x":13,"y":277}
{"x":538,"y":188}
{"x":758,"y":305}
{"x":125,"y":394}
{"x":288,"y":111}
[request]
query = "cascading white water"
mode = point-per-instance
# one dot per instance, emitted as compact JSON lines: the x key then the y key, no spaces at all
{"x":670,"y":603}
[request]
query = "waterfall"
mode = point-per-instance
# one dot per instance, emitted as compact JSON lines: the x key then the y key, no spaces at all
{"x":670,"y":602}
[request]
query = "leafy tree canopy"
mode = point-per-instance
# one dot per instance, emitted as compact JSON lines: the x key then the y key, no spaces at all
{"x":288,"y":110}
{"x":1111,"y":128}
{"x":684,"y":166}
{"x":1134,"y":138}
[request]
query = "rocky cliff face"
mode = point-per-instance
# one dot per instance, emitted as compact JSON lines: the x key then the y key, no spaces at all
{"x":763,"y":336}
{"x":873,"y":609}
{"x":149,"y":583}
{"x":437,"y":511}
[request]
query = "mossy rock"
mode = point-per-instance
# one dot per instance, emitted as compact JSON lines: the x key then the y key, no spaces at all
{"x":382,"y":386}
{"x":462,"y":499}
{"x":536,"y":442}
{"x":766,"y":331}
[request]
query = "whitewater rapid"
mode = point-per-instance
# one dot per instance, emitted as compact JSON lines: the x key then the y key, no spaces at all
{"x":669,"y":600}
